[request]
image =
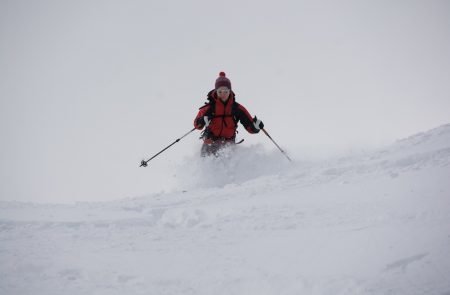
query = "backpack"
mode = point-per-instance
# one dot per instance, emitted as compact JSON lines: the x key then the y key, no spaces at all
{"x":211,"y":112}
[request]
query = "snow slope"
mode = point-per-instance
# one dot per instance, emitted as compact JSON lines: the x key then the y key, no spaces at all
{"x":377,"y":223}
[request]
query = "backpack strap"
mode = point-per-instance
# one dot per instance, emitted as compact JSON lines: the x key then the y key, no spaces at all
{"x":234,"y":112}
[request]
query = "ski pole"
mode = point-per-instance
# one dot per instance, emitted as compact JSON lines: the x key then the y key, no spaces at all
{"x":283,"y":152}
{"x":144,"y":163}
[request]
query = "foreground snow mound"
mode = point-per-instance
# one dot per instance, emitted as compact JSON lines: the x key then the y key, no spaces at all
{"x":366,"y":224}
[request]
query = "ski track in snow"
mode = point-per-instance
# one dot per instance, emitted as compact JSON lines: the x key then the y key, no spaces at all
{"x":363,"y":224}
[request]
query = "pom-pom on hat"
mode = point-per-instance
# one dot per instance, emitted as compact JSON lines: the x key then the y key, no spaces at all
{"x":223,"y":81}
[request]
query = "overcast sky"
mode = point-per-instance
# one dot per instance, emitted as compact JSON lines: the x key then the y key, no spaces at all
{"x":89,"y":88}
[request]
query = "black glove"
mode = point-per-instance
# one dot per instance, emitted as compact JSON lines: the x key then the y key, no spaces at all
{"x":203,"y":121}
{"x":258,"y":123}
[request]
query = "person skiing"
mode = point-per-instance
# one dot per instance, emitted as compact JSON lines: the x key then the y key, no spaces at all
{"x":220,"y":117}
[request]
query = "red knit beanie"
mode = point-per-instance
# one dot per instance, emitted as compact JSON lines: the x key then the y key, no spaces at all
{"x":223,"y":81}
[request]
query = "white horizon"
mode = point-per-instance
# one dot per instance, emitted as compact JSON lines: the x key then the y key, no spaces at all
{"x":88,"y":89}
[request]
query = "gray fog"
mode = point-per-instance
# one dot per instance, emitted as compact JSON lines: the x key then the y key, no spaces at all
{"x":90,"y":88}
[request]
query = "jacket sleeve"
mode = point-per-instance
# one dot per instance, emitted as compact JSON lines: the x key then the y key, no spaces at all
{"x":246,"y":119}
{"x":199,"y":121}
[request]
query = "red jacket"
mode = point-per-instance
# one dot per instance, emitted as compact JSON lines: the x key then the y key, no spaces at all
{"x":224,"y":118}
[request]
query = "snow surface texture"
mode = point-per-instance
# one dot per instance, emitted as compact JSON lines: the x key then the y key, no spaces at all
{"x":377,"y":223}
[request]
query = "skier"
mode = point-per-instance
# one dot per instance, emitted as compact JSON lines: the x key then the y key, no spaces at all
{"x":220,"y":116}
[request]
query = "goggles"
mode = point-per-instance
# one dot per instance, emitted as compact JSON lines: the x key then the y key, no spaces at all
{"x":223,"y":90}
